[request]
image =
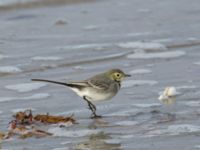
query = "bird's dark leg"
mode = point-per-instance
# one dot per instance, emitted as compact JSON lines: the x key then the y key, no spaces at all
{"x":92,"y":107}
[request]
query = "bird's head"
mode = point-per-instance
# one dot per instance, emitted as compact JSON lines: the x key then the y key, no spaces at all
{"x":116,"y":75}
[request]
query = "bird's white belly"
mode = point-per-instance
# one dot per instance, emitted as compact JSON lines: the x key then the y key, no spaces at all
{"x":94,"y":96}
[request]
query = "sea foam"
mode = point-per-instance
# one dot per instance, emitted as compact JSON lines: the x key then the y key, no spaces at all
{"x":25,"y":87}
{"x":9,"y":69}
{"x":46,"y":58}
{"x":143,"y":45}
{"x":169,"y":54}
{"x":34,"y":96}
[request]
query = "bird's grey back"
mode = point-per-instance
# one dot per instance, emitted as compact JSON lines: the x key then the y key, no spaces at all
{"x":103,"y":82}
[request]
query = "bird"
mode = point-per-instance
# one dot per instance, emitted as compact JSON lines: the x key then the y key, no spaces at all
{"x":100,"y":87}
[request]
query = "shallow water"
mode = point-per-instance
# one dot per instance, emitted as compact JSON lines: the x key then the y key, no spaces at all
{"x":156,"y":41}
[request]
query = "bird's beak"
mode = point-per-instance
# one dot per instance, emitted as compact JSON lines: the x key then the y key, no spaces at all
{"x":127,"y":75}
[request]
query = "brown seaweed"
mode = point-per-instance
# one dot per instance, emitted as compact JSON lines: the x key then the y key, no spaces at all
{"x":25,"y":124}
{"x":54,"y":119}
{"x":27,"y":118}
{"x":24,"y":118}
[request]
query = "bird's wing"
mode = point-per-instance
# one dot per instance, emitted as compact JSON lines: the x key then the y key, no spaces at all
{"x":79,"y":85}
{"x":99,"y":83}
{"x":89,"y":83}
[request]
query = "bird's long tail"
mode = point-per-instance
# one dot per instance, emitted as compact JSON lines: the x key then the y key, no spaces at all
{"x":56,"y":82}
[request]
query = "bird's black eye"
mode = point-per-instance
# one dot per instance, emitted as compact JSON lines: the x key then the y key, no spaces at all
{"x":118,"y":75}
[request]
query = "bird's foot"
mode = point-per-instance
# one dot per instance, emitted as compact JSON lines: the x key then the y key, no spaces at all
{"x":95,"y":116}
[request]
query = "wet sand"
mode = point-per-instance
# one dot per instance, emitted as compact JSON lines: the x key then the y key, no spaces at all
{"x":156,"y":41}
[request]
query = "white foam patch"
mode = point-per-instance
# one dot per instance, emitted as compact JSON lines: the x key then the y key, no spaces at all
{"x":25,"y":87}
{"x":34,"y":96}
{"x":127,"y":123}
{"x":46,"y":58}
{"x":22,"y":110}
{"x":60,"y":132}
{"x":143,"y":45}
{"x":169,"y":91}
{"x":176,"y":130}
{"x":9,"y":69}
{"x":147,"y":105}
{"x":140,"y":71}
{"x":170,"y":54}
{"x":131,"y":83}
{"x":168,"y":96}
